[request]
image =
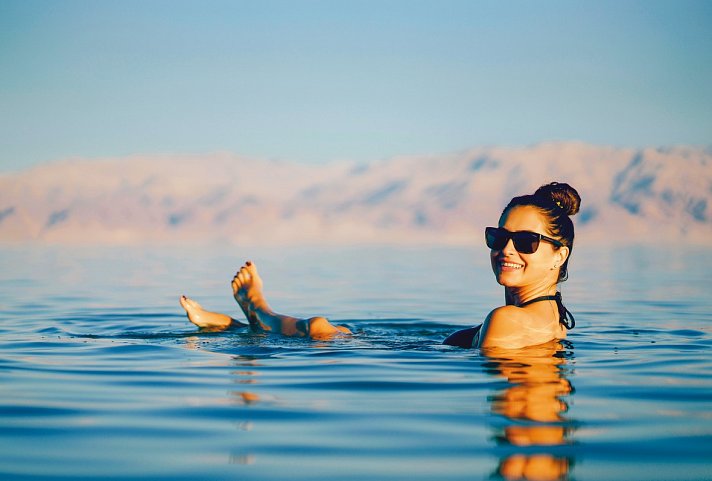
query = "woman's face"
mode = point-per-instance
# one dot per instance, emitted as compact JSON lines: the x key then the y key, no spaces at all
{"x":535,"y":270}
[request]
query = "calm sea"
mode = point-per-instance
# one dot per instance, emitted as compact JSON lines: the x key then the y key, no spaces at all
{"x":102,"y":376}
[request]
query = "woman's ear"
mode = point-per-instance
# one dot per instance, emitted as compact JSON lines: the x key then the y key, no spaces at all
{"x":563,"y":254}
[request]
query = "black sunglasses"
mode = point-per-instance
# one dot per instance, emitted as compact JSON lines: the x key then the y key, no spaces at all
{"x":525,"y":242}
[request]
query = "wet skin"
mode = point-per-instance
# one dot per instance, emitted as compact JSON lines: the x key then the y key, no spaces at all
{"x":247,"y":291}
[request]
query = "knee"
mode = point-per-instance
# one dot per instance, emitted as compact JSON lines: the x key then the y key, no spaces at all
{"x":319,"y":325}
{"x":318,"y":321}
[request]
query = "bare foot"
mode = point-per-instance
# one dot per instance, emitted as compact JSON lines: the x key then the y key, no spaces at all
{"x":204,"y":319}
{"x":247,"y":290}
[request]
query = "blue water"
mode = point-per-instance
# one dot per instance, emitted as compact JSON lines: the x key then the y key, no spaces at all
{"x":102,"y":377}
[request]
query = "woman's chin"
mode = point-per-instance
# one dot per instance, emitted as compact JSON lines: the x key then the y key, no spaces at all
{"x":507,"y":279}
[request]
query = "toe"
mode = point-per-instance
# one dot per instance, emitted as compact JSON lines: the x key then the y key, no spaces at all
{"x":250,"y":267}
{"x":190,"y":303}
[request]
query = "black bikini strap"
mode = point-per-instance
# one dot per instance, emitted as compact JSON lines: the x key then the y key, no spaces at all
{"x":565,"y":316}
{"x":542,"y":298}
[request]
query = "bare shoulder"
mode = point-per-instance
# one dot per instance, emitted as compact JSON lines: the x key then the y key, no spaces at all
{"x":504,"y":327}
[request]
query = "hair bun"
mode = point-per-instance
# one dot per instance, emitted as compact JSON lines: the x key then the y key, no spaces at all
{"x":562,"y":195}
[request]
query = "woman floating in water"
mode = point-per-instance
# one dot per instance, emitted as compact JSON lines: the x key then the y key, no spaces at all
{"x":530,"y":251}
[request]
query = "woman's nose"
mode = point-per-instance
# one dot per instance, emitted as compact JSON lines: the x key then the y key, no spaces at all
{"x":509,"y":247}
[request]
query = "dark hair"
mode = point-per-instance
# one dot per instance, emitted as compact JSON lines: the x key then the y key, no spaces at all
{"x":557,"y":202}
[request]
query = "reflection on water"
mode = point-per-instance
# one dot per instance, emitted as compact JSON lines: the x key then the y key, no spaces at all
{"x":529,"y":423}
{"x":247,"y":374}
{"x":533,"y":406}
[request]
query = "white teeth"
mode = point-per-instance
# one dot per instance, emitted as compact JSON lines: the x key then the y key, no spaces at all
{"x":509,"y":264}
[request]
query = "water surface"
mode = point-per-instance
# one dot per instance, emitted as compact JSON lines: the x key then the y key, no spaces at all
{"x":103,"y":377}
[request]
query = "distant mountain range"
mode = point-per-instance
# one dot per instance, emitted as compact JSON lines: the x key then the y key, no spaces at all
{"x":629,"y":195}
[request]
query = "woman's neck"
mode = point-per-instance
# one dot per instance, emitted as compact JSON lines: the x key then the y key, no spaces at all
{"x":515,"y":296}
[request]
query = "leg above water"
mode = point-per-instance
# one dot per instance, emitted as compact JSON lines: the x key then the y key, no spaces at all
{"x":206,"y":319}
{"x":247,"y":290}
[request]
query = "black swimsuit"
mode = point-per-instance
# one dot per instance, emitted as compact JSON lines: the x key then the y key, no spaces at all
{"x":469,"y":337}
{"x":565,"y":316}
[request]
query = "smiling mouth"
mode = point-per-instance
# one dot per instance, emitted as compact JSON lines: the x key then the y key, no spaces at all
{"x":510,"y":265}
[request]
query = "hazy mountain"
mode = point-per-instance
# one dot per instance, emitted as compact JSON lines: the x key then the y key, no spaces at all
{"x":629,"y":195}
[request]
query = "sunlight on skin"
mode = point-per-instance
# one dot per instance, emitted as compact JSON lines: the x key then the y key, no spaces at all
{"x":205,"y":319}
{"x":536,"y":385}
{"x":247,"y":290}
{"x":535,"y":275}
{"x":524,"y":277}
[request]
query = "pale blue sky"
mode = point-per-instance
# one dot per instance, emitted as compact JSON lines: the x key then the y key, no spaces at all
{"x":314,"y":81}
